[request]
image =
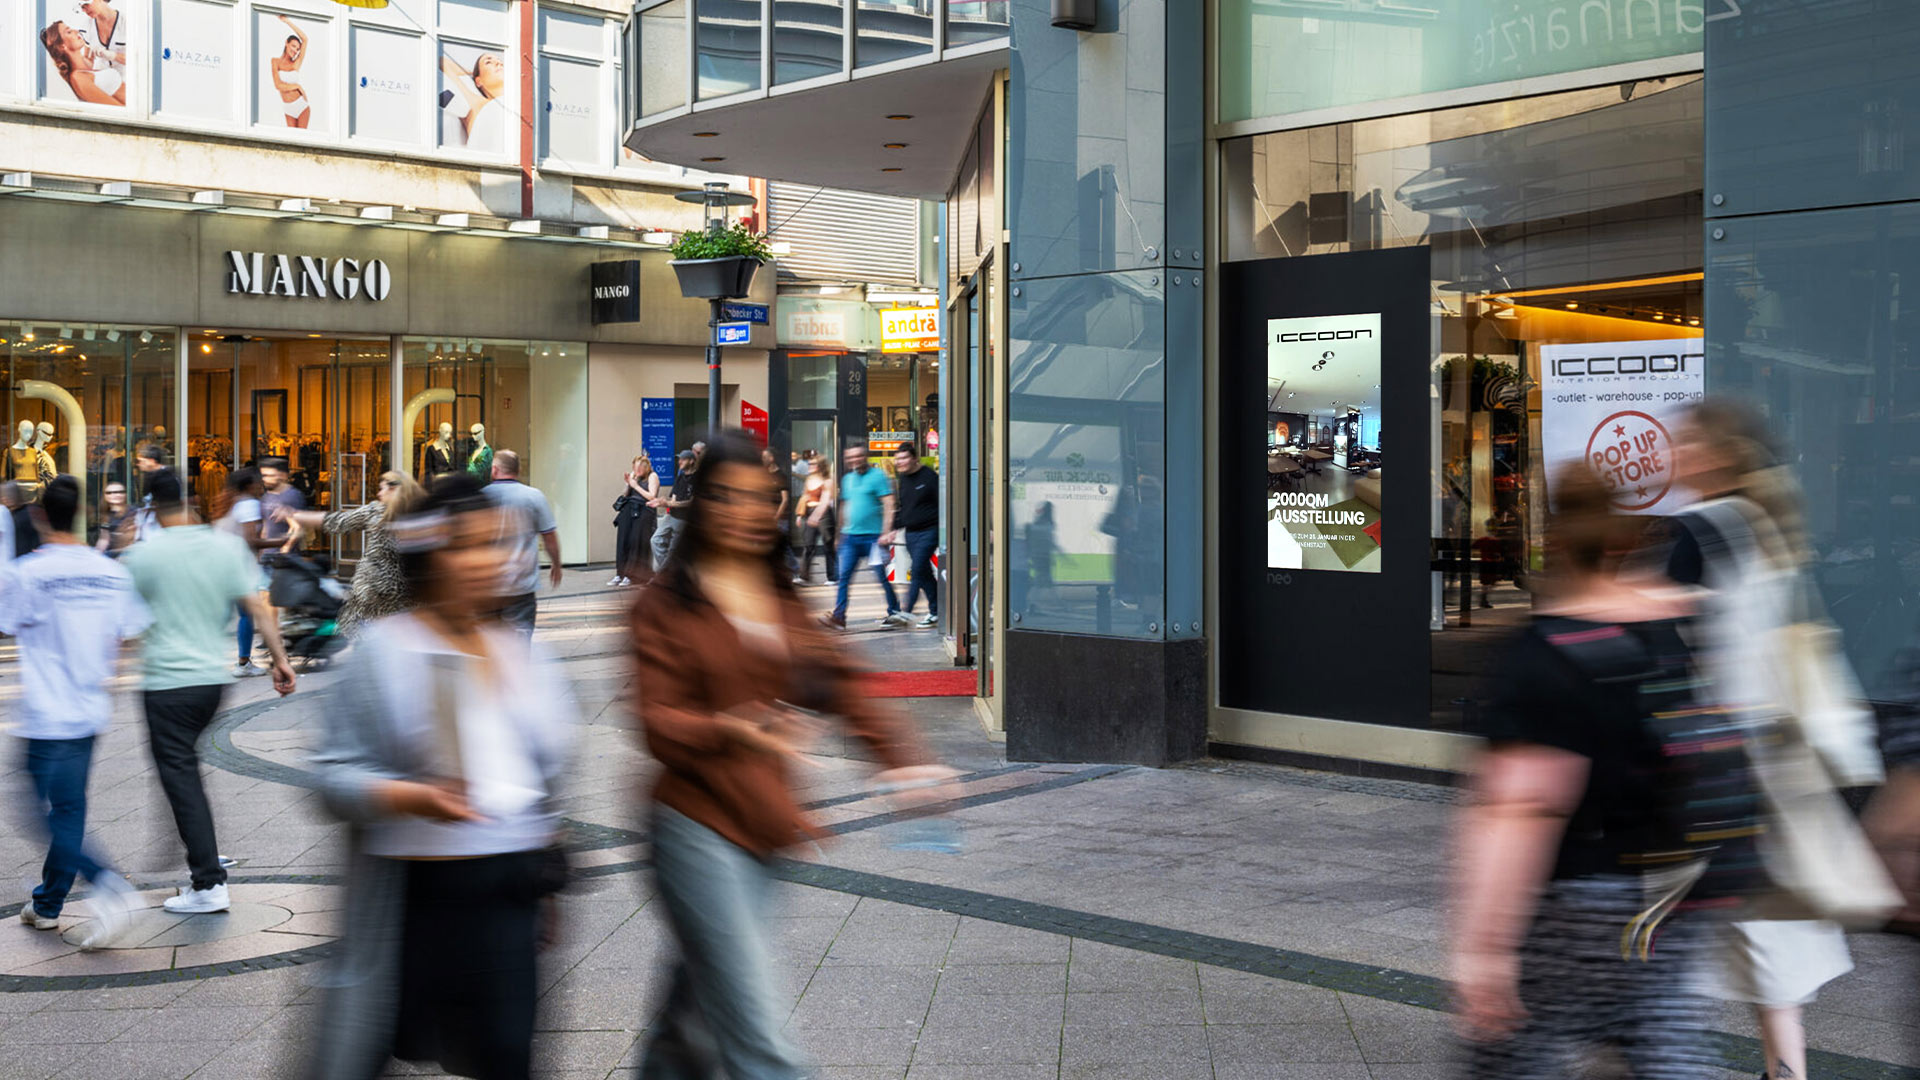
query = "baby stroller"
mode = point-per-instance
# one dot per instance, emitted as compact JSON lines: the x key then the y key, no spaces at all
{"x":309,"y":600}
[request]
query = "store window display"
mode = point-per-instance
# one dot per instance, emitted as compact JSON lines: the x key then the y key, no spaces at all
{"x":108,"y":388}
{"x":1565,"y":245}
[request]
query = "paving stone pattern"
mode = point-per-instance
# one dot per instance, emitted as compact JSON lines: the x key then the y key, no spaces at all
{"x":1222,"y":921}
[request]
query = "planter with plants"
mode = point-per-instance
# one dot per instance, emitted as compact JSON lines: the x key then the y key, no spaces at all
{"x":718,"y":265}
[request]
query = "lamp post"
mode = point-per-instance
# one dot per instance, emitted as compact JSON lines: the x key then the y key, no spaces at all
{"x":714,"y":200}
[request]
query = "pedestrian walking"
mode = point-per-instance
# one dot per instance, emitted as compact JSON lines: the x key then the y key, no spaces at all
{"x":114,"y":526}
{"x":147,"y":460}
{"x":377,"y":587}
{"x":634,"y":520}
{"x":238,"y":514}
{"x":445,"y":752}
{"x":191,"y":578}
{"x":530,"y":526}
{"x":1742,"y":549}
{"x":70,"y":607}
{"x":727,"y":660}
{"x":816,"y":536}
{"x":919,"y":525}
{"x":1566,"y":812}
{"x":864,"y":504}
{"x":278,"y":499}
{"x":666,"y":531}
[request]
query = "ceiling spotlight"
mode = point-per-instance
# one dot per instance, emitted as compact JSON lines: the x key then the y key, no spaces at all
{"x":895,"y":145}
{"x":26,"y":332}
{"x":894,"y":168}
{"x":1658,"y":317}
{"x":548,"y":351}
{"x":1573,"y":305}
{"x":146,"y":336}
{"x":66,"y":332}
{"x":113,"y":335}
{"x":706,"y":134}
{"x":529,"y":348}
{"x":87,"y":334}
{"x":899,"y":116}
{"x":711,"y":159}
{"x":206,"y":347}
{"x":1693,"y":322}
{"x":563,"y":350}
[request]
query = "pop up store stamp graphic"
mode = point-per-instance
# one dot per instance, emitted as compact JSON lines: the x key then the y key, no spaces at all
{"x":1632,"y":454}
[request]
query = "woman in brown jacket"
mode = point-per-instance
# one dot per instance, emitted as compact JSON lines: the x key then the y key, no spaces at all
{"x":730,"y":667}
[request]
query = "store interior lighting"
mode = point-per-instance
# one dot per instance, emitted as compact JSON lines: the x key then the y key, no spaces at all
{"x":146,"y":337}
{"x":26,"y":331}
{"x":113,"y":335}
{"x":66,"y":332}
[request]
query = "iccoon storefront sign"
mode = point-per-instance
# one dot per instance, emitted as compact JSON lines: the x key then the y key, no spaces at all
{"x":258,"y":273}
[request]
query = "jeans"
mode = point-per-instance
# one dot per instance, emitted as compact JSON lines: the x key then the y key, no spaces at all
{"x":520,"y":611}
{"x":175,"y":719}
{"x":665,"y":533}
{"x":722,"y":1008}
{"x":920,"y":545}
{"x":856,"y":549}
{"x":243,"y":637}
{"x":59,"y":769}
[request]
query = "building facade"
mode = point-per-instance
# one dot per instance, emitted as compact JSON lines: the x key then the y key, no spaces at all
{"x":327,"y":232}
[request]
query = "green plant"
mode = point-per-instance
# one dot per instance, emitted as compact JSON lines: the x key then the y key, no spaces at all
{"x":731,"y":242}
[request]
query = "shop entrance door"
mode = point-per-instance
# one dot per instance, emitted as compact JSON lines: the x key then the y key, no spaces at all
{"x":968,"y":391}
{"x":815,"y":431}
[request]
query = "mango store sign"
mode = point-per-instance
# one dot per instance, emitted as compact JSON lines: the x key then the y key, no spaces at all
{"x":1614,"y":405}
{"x":256,"y":273}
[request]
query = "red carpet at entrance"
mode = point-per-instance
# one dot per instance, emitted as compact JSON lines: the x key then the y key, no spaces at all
{"x":959,"y":682}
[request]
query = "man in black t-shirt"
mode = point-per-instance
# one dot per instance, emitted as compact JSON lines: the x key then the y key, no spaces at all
{"x":919,"y":523}
{"x":667,"y":531}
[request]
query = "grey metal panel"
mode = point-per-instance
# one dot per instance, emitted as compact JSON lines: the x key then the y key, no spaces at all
{"x":846,"y":235}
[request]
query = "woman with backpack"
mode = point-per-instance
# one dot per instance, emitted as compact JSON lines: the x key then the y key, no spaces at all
{"x":1741,"y":553}
{"x":1568,"y":800}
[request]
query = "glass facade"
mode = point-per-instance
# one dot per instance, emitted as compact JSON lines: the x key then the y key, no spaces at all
{"x":1559,"y":226}
{"x":888,"y":30}
{"x":809,"y":39}
{"x":970,"y":22}
{"x":726,"y":47}
{"x":120,"y":379}
{"x":662,"y":70}
{"x":1289,"y":57}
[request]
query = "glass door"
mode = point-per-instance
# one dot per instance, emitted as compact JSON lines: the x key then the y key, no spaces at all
{"x":959,"y":614}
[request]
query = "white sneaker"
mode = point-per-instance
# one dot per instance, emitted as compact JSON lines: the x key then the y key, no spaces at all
{"x":931,"y":620}
{"x":614,"y":583}
{"x":226,"y":861}
{"x":247,"y":671}
{"x":113,"y":903}
{"x":897,"y":618}
{"x":192,"y":901}
{"x":36,"y":920}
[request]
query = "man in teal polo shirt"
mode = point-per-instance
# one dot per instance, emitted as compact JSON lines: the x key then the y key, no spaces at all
{"x":865,"y":505}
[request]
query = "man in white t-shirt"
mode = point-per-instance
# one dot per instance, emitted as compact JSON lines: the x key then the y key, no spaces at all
{"x":71,"y":607}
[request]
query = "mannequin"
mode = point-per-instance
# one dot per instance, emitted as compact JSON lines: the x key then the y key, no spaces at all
{"x":43,"y":458}
{"x":23,"y":461}
{"x":480,"y":462}
{"x":437,"y":458}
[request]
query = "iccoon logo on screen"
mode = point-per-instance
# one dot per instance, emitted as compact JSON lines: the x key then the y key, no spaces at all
{"x":256,"y":273}
{"x":1331,"y":332}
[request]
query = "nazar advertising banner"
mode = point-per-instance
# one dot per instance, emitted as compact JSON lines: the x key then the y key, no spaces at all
{"x":386,"y":88}
{"x":292,"y":57}
{"x":1615,"y":405}
{"x":83,"y":51}
{"x":199,"y":49}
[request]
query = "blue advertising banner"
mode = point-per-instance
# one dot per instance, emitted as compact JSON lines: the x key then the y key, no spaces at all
{"x":656,"y":436}
{"x":750,"y":313}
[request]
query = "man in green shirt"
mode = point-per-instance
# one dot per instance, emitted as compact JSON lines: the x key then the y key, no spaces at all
{"x":192,"y":578}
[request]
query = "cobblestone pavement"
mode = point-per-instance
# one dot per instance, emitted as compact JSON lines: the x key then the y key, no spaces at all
{"x":1219,"y":920}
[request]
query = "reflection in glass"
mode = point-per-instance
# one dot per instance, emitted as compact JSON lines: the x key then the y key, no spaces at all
{"x":1559,"y":226}
{"x":1087,"y":502}
{"x":809,"y":39}
{"x":811,"y":379}
{"x":970,"y":22}
{"x":124,"y":388}
{"x":1807,"y":321}
{"x":663,"y":58}
{"x":727,"y":50}
{"x":889,"y":30}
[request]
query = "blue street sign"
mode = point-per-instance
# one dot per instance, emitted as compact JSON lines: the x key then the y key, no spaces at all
{"x":732,"y":333}
{"x":752,"y":313}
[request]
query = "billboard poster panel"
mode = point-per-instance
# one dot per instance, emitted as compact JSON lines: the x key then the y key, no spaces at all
{"x":83,"y":51}
{"x":1323,"y":492}
{"x":570,"y":106}
{"x":198,"y":51}
{"x":656,"y":437}
{"x":292,"y":56}
{"x":1615,"y":406}
{"x":473,"y":97}
{"x":386,"y":85}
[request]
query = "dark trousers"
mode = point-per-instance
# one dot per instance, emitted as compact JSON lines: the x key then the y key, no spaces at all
{"x":175,"y":719}
{"x":59,"y":769}
{"x":467,"y":978}
{"x":920,"y":546}
{"x":856,"y":549}
{"x":633,"y":546}
{"x":519,"y":612}
{"x":818,"y":540}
